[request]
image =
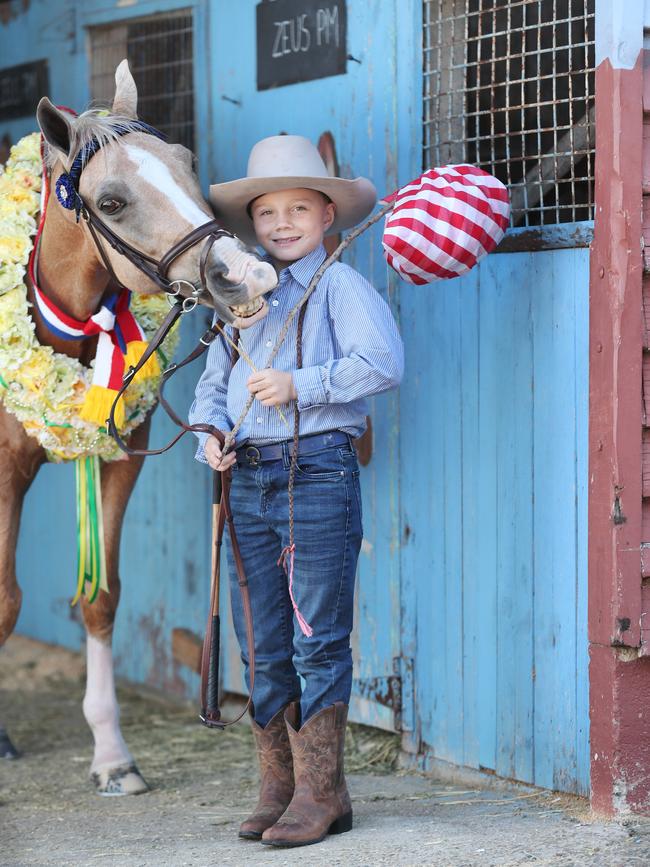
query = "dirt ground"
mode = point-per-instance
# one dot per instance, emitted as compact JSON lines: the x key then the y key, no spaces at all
{"x":203,"y":783}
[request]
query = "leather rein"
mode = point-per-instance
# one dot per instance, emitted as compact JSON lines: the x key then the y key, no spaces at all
{"x":210,"y":714}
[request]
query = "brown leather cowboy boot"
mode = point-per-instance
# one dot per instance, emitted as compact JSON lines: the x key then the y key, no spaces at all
{"x":321,"y":803}
{"x":276,"y":772}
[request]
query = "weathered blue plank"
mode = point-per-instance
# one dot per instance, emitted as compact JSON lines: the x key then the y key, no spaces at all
{"x":450,"y":422}
{"x":405,"y":152}
{"x":427,"y":513}
{"x":489,"y":381}
{"x":555,"y":519}
{"x":514,"y":506}
{"x":471,"y":519}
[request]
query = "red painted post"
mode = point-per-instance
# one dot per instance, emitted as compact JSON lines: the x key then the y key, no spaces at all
{"x":619,"y":678}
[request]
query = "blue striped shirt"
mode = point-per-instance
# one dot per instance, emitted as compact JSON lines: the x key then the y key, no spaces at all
{"x":351,"y":350}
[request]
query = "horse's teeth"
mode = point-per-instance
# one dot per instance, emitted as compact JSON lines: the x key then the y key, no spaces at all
{"x":248,"y":309}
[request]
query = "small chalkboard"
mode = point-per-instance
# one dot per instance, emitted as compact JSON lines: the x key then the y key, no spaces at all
{"x":300,"y":40}
{"x":21,"y":87}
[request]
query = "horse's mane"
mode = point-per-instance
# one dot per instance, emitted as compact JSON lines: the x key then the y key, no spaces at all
{"x":94,"y":123}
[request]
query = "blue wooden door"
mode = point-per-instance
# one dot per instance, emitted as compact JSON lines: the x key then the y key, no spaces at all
{"x":493,"y":445}
{"x":493,"y":413}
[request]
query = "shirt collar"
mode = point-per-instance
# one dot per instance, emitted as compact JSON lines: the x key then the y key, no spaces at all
{"x":304,"y":269}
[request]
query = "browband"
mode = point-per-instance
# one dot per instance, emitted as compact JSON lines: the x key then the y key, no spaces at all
{"x":67,"y":184}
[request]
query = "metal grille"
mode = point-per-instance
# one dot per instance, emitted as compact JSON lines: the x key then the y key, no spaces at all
{"x":509,"y":86}
{"x":160,"y":54}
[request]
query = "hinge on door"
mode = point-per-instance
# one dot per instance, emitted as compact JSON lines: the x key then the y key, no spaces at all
{"x":386,"y":691}
{"x":395,"y":691}
{"x":404,"y":668}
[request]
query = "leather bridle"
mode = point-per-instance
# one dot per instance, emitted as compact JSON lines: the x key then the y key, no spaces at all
{"x":68,"y":195}
{"x":156,"y":269}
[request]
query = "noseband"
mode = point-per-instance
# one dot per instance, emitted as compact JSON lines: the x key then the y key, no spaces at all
{"x":67,"y":193}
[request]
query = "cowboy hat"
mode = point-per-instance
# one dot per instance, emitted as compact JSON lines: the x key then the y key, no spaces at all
{"x":285,"y":162}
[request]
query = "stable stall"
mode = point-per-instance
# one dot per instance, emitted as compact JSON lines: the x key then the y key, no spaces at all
{"x":480,"y":552}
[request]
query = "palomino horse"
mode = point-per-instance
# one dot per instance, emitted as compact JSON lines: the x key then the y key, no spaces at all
{"x":147,"y":193}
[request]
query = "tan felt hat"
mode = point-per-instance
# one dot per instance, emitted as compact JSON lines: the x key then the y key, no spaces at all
{"x":282,"y":162}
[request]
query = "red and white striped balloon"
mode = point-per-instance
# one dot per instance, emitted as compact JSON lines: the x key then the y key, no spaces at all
{"x":445,"y":222}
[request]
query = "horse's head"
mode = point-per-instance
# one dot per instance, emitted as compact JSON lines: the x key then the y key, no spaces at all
{"x":146,"y":192}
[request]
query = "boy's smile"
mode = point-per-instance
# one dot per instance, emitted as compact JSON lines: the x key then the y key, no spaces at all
{"x":289,"y":224}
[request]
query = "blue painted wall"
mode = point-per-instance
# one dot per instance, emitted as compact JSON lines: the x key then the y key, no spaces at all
{"x":474,"y":561}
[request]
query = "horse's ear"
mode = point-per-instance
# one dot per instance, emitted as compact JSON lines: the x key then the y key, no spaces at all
{"x":55,"y":126}
{"x":126,"y":92}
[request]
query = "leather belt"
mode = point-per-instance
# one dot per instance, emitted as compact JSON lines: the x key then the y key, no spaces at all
{"x":252,"y":455}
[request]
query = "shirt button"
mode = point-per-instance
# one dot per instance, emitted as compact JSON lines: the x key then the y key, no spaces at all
{"x":269,"y":344}
{"x":275,"y":302}
{"x":259,"y":419}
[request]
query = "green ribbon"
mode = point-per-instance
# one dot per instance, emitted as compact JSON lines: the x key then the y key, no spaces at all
{"x":91,"y":556}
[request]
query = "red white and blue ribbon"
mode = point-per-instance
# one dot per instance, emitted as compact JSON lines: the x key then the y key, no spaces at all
{"x":120,"y":344}
{"x":120,"y":339}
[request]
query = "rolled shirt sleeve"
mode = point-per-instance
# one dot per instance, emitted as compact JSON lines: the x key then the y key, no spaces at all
{"x":210,"y":400}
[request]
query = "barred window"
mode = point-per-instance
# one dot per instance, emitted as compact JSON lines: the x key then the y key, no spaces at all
{"x":509,"y":86}
{"x":160,"y":54}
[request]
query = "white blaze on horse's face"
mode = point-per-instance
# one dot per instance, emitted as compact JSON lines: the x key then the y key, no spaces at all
{"x":148,"y":194}
{"x":154,"y":172}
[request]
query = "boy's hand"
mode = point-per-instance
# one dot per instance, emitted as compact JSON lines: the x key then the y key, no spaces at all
{"x":272,"y":387}
{"x":213,"y":455}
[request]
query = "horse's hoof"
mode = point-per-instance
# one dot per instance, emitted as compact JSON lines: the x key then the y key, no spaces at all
{"x":122,"y":780}
{"x":7,"y":749}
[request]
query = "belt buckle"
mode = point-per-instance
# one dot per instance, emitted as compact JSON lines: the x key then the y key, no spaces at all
{"x":253,"y":456}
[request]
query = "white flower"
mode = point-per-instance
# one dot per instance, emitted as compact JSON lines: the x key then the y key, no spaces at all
{"x":42,"y":388}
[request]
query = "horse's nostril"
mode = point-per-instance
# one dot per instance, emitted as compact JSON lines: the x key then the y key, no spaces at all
{"x":217,"y":276}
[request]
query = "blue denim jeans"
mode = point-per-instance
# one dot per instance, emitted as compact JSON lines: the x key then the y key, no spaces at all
{"x":328,"y":538}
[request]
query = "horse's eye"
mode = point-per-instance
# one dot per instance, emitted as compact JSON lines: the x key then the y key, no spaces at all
{"x":110,"y":206}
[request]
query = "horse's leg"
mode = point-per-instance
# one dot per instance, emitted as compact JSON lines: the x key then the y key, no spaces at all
{"x":20,"y":458}
{"x":113,"y":770}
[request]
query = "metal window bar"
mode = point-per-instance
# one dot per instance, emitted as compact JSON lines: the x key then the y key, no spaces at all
{"x":509,"y":86}
{"x":160,"y":53}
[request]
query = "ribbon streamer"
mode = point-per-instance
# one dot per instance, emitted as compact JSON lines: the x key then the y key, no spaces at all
{"x":91,"y":555}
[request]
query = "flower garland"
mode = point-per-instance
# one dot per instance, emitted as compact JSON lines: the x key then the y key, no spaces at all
{"x":42,"y":388}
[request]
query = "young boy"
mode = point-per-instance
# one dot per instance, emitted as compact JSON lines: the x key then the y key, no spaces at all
{"x":350,"y":349}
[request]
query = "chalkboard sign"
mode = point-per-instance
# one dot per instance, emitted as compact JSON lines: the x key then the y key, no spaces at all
{"x":300,"y":40}
{"x":21,"y":87}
